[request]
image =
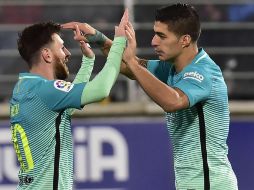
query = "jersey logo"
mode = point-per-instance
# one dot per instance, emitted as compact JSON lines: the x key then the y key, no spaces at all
{"x":63,"y":85}
{"x":193,"y":75}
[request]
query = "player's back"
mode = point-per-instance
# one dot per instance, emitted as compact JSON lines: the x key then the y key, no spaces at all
{"x":33,"y":135}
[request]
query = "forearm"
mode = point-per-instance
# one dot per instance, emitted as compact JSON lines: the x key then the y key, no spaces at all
{"x":83,"y":74}
{"x":105,"y":48}
{"x":85,"y":70}
{"x":100,"y":86}
{"x":123,"y":69}
{"x":162,"y":94}
{"x":127,"y":72}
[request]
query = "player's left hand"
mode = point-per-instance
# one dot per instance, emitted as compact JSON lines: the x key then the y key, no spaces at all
{"x":129,"y":55}
{"x":85,"y":28}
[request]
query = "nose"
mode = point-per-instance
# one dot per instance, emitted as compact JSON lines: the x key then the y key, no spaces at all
{"x":67,"y":53}
{"x":154,"y":41}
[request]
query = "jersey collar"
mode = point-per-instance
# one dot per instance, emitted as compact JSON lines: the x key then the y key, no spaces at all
{"x":30,"y":76}
{"x":201,"y":54}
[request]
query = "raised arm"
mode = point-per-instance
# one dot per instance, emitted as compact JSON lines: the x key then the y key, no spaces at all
{"x":94,"y":36}
{"x":88,"y":58}
{"x":100,"y":86}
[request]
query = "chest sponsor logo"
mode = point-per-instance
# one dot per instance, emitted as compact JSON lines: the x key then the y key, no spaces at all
{"x":63,"y":85}
{"x":193,"y":75}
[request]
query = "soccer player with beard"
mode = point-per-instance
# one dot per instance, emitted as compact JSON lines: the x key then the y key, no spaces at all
{"x":190,"y":88}
{"x":42,"y":102}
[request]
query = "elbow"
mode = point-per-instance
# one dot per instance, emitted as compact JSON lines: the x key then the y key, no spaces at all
{"x":173,"y":106}
{"x":170,"y":108}
{"x":104,"y":93}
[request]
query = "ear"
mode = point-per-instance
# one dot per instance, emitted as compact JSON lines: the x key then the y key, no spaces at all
{"x":185,"y":40}
{"x":46,"y":55}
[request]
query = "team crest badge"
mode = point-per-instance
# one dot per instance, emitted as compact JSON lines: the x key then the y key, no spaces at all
{"x":63,"y":85}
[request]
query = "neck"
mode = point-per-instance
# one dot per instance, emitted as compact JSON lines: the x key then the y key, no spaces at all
{"x":44,"y":70}
{"x":185,"y":58}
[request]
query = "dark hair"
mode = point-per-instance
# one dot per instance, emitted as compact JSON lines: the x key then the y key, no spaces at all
{"x":181,"y":19}
{"x":34,"y":37}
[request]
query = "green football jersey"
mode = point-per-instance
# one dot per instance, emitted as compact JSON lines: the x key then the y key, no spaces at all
{"x":34,"y":106}
{"x":199,"y":133}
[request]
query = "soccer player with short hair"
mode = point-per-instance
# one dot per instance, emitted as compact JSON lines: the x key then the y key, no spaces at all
{"x":43,"y":102}
{"x":190,"y":88}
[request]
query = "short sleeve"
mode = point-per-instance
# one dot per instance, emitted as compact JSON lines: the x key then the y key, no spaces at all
{"x":59,"y":94}
{"x":196,"y":84}
{"x":159,"y":69}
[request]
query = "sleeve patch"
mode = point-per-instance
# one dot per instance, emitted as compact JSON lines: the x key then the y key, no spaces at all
{"x":63,"y":85}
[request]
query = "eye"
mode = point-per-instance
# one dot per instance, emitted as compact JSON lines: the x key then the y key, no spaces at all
{"x":162,"y":36}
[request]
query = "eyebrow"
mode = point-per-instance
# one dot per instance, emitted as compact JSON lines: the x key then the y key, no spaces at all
{"x":160,"y":34}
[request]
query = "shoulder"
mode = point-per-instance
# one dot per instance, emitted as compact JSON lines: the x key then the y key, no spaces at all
{"x":62,"y":85}
{"x":54,"y":87}
{"x":196,"y":72}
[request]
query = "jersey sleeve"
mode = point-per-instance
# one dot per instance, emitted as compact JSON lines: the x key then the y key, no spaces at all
{"x":59,"y":94}
{"x":196,"y":83}
{"x":159,"y":69}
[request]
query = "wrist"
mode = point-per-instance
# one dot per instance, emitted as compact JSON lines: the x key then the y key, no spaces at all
{"x":88,"y":60}
{"x":132,"y":63}
{"x":98,"y":38}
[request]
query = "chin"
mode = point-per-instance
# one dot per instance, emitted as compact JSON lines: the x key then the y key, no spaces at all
{"x":162,"y":58}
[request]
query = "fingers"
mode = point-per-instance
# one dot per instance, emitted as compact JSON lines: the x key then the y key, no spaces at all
{"x":84,"y":45}
{"x":124,"y":18}
{"x":78,"y":36}
{"x":86,"y":50}
{"x":120,"y":30}
{"x":77,"y":30}
{"x":84,"y":27}
{"x":128,"y":35}
{"x":129,"y":31}
{"x":130,"y":27}
{"x":69,"y":25}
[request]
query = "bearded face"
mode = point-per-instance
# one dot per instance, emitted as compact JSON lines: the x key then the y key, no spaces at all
{"x":60,"y":68}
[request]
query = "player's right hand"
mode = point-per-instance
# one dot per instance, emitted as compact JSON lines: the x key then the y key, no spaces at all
{"x":85,"y":48}
{"x":130,"y":51}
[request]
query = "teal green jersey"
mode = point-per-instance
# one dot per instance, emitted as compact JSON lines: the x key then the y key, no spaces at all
{"x":199,"y":133}
{"x":34,"y":106}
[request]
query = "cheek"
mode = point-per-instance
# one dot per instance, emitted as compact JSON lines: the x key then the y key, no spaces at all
{"x":60,"y":54}
{"x":171,"y":51}
{"x":171,"y":46}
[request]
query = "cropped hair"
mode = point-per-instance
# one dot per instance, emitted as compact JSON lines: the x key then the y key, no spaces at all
{"x":34,"y":37}
{"x":181,"y":19}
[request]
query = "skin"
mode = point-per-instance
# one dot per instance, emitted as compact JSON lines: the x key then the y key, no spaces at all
{"x":179,"y":50}
{"x":53,"y":58}
{"x":167,"y":46}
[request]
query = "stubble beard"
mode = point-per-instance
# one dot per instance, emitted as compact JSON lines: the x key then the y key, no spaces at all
{"x":61,"y":69}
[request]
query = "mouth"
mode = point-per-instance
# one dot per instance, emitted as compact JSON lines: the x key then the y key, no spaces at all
{"x":158,"y":52}
{"x":65,"y":62}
